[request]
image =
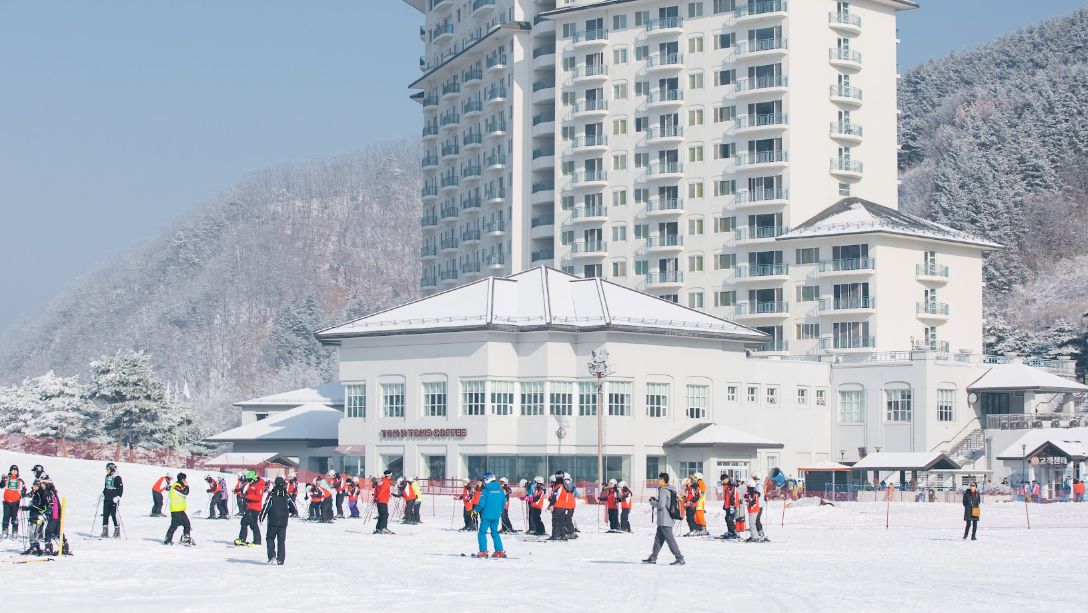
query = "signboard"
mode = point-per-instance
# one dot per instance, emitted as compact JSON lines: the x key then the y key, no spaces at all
{"x":1049,"y":461}
{"x":418,"y":433}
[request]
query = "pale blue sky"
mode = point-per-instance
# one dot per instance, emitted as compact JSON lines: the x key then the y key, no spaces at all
{"x":115,"y":117}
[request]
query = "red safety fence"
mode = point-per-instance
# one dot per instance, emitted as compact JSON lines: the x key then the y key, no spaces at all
{"x":87,"y":450}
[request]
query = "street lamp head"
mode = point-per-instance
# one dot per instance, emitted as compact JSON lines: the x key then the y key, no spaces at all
{"x":603,"y":355}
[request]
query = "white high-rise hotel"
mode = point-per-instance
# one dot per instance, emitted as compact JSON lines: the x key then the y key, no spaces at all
{"x":735,"y":157}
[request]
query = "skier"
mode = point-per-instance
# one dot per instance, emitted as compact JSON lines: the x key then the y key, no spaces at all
{"x":410,"y":494}
{"x":419,"y":500}
{"x":315,"y":496}
{"x":178,"y":519}
{"x":698,"y":503}
{"x":470,"y":495}
{"x":277,"y":508}
{"x":224,"y":512}
{"x":239,"y":501}
{"x":336,"y":485}
{"x":292,"y":491}
{"x":756,"y":511}
{"x":507,"y":525}
{"x":45,"y":517}
{"x":14,"y":491}
{"x":157,"y":490}
{"x":111,"y":498}
{"x":626,"y":498}
{"x":381,"y":500}
{"x":353,"y":498}
{"x":729,"y":504}
{"x":490,"y":509}
{"x":668,"y":511}
{"x":216,"y":496}
{"x":327,"y":491}
{"x":563,"y":502}
{"x":537,"y":497}
{"x":253,"y":492}
{"x":38,"y":471}
{"x":610,"y":499}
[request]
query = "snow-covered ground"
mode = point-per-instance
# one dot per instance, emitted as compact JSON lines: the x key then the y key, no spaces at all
{"x":823,"y":559}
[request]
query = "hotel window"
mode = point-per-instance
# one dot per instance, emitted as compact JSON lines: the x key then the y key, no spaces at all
{"x":619,"y":270}
{"x":724,"y":6}
{"x":697,"y":401}
{"x":695,"y":80}
{"x":655,"y":465}
{"x":695,"y":153}
{"x":725,"y":261}
{"x":642,"y":87}
{"x":619,"y":56}
{"x":695,"y":300}
{"x":566,"y":238}
{"x":619,"y":161}
{"x":355,"y":400}
{"x":561,"y":398}
{"x":724,"y":40}
{"x":821,"y":397}
{"x":566,"y":168}
{"x":619,"y":233}
{"x":726,"y":151}
{"x":809,"y":255}
{"x":725,"y":77}
{"x":725,"y":113}
{"x":587,"y":398}
{"x":851,"y":406}
{"x":946,"y":403}
{"x":688,"y":469}
{"x":569,"y":29}
{"x":802,"y":396}
{"x":642,"y":160}
{"x":473,"y":397}
{"x":641,"y":53}
{"x":657,"y":399}
{"x":434,"y":399}
{"x":619,"y":126}
{"x":641,"y":19}
{"x":642,"y":195}
{"x":393,"y":399}
{"x":725,"y":224}
{"x":725,"y":298}
{"x":695,"y":9}
{"x":619,"y":91}
{"x":619,"y":196}
{"x":502,"y":397}
{"x":619,"y":22}
{"x":642,"y":267}
{"x":569,"y":63}
{"x":641,"y":123}
{"x":695,"y":263}
{"x":532,"y":398}
{"x":772,"y":395}
{"x":753,"y":394}
{"x":844,"y":189}
{"x":619,"y":398}
{"x":731,"y":393}
{"x":569,"y":98}
{"x":898,"y":405}
{"x":695,"y":44}
{"x":808,"y":332}
{"x":695,"y":117}
{"x":568,"y":133}
{"x":695,"y":190}
{"x":808,"y":293}
{"x":695,"y":226}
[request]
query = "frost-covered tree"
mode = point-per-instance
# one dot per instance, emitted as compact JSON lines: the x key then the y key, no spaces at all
{"x":999,"y":338}
{"x":133,"y":401}
{"x":17,"y":409}
{"x":64,"y":409}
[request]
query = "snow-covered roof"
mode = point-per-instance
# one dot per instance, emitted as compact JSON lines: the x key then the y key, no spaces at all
{"x":1073,"y":442}
{"x":331,"y":394}
{"x":310,"y":422}
{"x":248,"y":459}
{"x":824,"y":466}
{"x":718,"y":435}
{"x":857,"y":216}
{"x":1024,"y":377}
{"x":538,"y":299}
{"x":906,"y":460}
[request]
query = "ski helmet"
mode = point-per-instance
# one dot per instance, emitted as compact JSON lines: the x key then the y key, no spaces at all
{"x":251,"y":476}
{"x":488,"y":477}
{"x":110,"y":466}
{"x":464,"y":481}
{"x":332,"y":473}
{"x":522,"y":483}
{"x":504,"y":481}
{"x":15,"y":468}
{"x":539,"y":480}
{"x":280,"y":482}
{"x":623,"y":484}
{"x":566,"y":476}
{"x":37,"y":470}
{"x":698,"y":476}
{"x":387,"y":473}
{"x":209,"y":479}
{"x":611,"y":482}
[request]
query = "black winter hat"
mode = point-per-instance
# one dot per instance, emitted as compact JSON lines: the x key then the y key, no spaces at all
{"x":181,"y":477}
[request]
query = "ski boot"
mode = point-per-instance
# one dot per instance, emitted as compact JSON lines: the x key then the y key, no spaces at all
{"x":254,"y":544}
{"x":499,"y":554}
{"x":187,"y":540}
{"x":4,"y":536}
{"x":240,"y":543}
{"x":116,"y":532}
{"x":482,"y":555}
{"x":105,"y":532}
{"x":167,"y":542}
{"x":34,"y":550}
{"x":271,"y":561}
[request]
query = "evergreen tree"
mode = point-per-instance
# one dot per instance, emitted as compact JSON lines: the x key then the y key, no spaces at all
{"x":64,"y":409}
{"x":135,"y":405}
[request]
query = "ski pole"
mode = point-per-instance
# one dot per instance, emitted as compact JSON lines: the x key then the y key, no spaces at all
{"x":95,"y":516}
{"x":120,"y":521}
{"x":453,"y":513}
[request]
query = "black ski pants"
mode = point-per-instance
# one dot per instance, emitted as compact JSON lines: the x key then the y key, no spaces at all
{"x":339,"y":504}
{"x":223,"y":512}
{"x":613,"y":519}
{"x":505,"y":521}
{"x":178,"y":519}
{"x":11,"y":516}
{"x":535,"y":523}
{"x":276,"y":540}
{"x":156,"y":503}
{"x":470,"y":523}
{"x":730,"y":523}
{"x":326,"y":509}
{"x":625,"y":520}
{"x":109,"y":510}
{"x":383,"y":516}
{"x":213,"y":505}
{"x":249,"y":520}
{"x":689,"y":515}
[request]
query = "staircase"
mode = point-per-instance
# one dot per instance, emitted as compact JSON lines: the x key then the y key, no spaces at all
{"x":970,"y":448}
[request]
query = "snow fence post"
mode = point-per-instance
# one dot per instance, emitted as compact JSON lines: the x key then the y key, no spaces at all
{"x":62,"y":500}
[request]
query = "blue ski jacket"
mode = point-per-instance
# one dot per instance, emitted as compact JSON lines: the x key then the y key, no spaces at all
{"x":492,"y":501}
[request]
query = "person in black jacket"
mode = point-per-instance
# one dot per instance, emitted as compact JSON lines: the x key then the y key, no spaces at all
{"x":111,"y":497}
{"x":971,"y":503}
{"x":278,"y":506}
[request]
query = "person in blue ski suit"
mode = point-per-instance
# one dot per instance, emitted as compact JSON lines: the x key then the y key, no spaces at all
{"x":492,"y":502}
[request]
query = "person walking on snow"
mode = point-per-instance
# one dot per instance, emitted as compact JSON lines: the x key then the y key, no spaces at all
{"x":277,"y":508}
{"x":972,"y":503}
{"x":111,"y":497}
{"x":667,"y":507}
{"x":157,"y":492}
{"x":253,"y":493}
{"x":490,"y":508}
{"x":353,"y":498}
{"x":179,"y":493}
{"x":381,"y":500}
{"x":14,"y":491}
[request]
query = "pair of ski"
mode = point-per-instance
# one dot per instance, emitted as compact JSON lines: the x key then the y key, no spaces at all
{"x":480,"y":557}
{"x":618,"y":532}
{"x":30,"y":561}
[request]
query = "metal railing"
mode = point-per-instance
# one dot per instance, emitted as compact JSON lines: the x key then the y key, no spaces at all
{"x":665,"y":204}
{"x":758,"y":308}
{"x":428,"y":251}
{"x":495,"y":194}
{"x":847,"y":264}
{"x":744,"y":85}
{"x":589,"y":176}
{"x":668,"y":95}
{"x":542,"y":254}
{"x":763,"y":270}
{"x":756,"y":46}
{"x":589,"y":36}
{"x":470,"y":235}
{"x":762,"y":157}
{"x":931,"y":270}
{"x":545,"y":117}
{"x":763,"y":195}
{"x":932,"y":308}
{"x":590,"y":210}
{"x":470,"y":267}
{"x":760,"y":8}
{"x":474,"y":74}
{"x":546,"y":185}
{"x":590,"y":70}
{"x":666,"y":59}
{"x":759,"y":232}
{"x":843,"y":165}
{"x":775,"y":345}
{"x":664,"y":22}
{"x":496,"y":126}
{"x":543,"y":220}
{"x":842,"y":304}
{"x":846,"y":128}
{"x":667,"y":276}
{"x":592,"y":140}
{"x":495,"y":226}
{"x":665,"y":240}
{"x":848,"y":342}
{"x":664,"y":132}
{"x":589,"y":105}
{"x":428,"y":221}
{"x":665,"y":168}
{"x":844,"y":55}
{"x":541,"y":152}
{"x":846,"y":91}
{"x":545,"y":83}
{"x":756,"y":121}
{"x":845,"y":18}
{"x":498,"y":159}
{"x":546,"y":49}
{"x":590,"y":247}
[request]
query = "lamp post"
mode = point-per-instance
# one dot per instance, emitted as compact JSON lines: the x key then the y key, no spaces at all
{"x":598,"y":367}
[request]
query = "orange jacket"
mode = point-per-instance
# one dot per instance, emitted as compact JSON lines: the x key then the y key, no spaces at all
{"x":409,"y":491}
{"x":539,"y":496}
{"x":1078,"y":488}
{"x":13,"y":489}
{"x":381,"y":493}
{"x":160,"y":485}
{"x":626,"y":498}
{"x":563,"y":498}
{"x":471,"y":497}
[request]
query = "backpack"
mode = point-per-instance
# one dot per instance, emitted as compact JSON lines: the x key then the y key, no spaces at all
{"x":674,"y":506}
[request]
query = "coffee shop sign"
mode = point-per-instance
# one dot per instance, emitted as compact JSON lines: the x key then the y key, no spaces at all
{"x":425,"y":433}
{"x":1049,"y":461}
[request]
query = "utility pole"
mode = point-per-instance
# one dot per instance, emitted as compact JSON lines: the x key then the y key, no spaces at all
{"x":598,"y":367}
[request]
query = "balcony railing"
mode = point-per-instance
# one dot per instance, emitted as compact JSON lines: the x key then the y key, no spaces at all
{"x":496,"y":60}
{"x":590,"y":70}
{"x":845,"y":18}
{"x":777,"y":345}
{"x":759,"y":232}
{"x":546,"y":185}
{"x":471,"y":171}
{"x":428,"y":281}
{"x":430,"y":160}
{"x":542,"y":254}
{"x":495,"y":259}
{"x":846,"y":129}
{"x":431,"y":100}
{"x":428,"y":251}
{"x":470,"y":267}
{"x":472,"y":138}
{"x":590,"y":210}
{"x":430,"y":130}
{"x":847,"y":264}
{"x":668,"y":95}
{"x":478,"y":4}
{"x":543,"y":152}
{"x":744,"y":85}
{"x":761,"y":157}
{"x":843,"y":304}
{"x":448,"y":275}
{"x":545,"y":83}
{"x":761,"y":308}
{"x":496,"y":126}
{"x":931,"y":270}
{"x":845,"y":91}
{"x":665,"y":204}
{"x":589,"y":105}
{"x":546,"y":49}
{"x":448,"y":243}
{"x":472,"y":106}
{"x":762,"y":270}
{"x":470,"y":235}
{"x":428,"y":221}
{"x":495,"y":93}
{"x":450,"y":181}
{"x":543,"y":220}
{"x":665,"y":59}
{"x":756,"y":46}
{"x":449,"y":212}
{"x":931,"y":308}
{"x":442,"y":30}
{"x":592,"y":140}
{"x":664,"y":132}
{"x":451,"y":88}
{"x":759,"y":8}
{"x":664,"y":169}
{"x":495,"y":194}
{"x":497,"y":225}
{"x":755,"y":121}
{"x":665,"y":240}
{"x":844,"y":55}
{"x":450,"y":150}
{"x":843,"y":165}
{"x":663,"y":23}
{"x":499,"y":159}
{"x":1021,"y":421}
{"x":451,"y":119}
{"x":666,"y":276}
{"x":429,"y":190}
{"x":474,"y":74}
{"x":762,"y":195}
{"x":590,"y":247}
{"x":545,"y":117}
{"x":589,"y":176}
{"x":589,"y":36}
{"x":848,"y":342}
{"x":470,"y":203}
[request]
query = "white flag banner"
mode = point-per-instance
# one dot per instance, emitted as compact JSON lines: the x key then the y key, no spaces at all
{"x":186,"y":390}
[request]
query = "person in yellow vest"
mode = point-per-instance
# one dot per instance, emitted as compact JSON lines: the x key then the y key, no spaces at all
{"x":178,"y":519}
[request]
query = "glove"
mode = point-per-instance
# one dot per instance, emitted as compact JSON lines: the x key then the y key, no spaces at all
{"x":117,"y":501}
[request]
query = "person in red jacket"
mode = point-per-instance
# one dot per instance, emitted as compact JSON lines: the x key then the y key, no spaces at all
{"x":253,"y":493}
{"x":157,"y":492}
{"x":14,"y":491}
{"x":610,"y":499}
{"x":381,"y":500}
{"x":353,"y":497}
{"x":626,"y":497}
{"x":214,"y":496}
{"x":469,"y":496}
{"x":339,"y":483}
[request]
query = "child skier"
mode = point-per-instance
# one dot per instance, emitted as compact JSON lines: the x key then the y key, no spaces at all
{"x":14,"y":491}
{"x":178,"y":519}
{"x":489,"y":510}
{"x":253,"y":492}
{"x":111,"y":498}
{"x":157,"y":492}
{"x":507,"y":526}
{"x":755,"y":512}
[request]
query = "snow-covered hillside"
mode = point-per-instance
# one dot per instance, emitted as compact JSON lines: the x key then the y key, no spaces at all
{"x":824,"y":559}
